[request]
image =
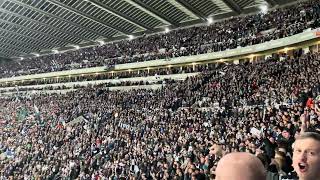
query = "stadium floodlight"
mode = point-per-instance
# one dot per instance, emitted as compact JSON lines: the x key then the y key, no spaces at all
{"x":21,"y":58}
{"x":251,"y":56}
{"x":76,"y":46}
{"x":55,"y":51}
{"x":101,"y":42}
{"x":131,"y":37}
{"x":209,"y":20}
{"x":166,"y":30}
{"x":36,"y":54}
{"x":263,"y":8}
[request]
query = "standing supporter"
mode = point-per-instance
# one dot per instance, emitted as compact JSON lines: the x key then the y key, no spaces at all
{"x":306,"y":156}
{"x":220,"y":36}
{"x":240,"y":166}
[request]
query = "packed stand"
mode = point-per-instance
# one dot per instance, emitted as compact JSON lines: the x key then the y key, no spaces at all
{"x":229,"y":34}
{"x":27,"y":90}
{"x":177,"y":132}
{"x":152,"y":72}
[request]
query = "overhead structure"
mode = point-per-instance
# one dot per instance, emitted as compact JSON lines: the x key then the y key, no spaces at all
{"x":272,"y":2}
{"x":29,"y":27}
{"x":232,"y":5}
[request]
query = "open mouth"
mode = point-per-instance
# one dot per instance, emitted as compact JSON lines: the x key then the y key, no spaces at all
{"x":302,"y":167}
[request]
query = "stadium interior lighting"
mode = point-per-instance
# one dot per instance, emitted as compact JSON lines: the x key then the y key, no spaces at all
{"x":286,"y":49}
{"x":77,"y":47}
{"x":55,"y":51}
{"x":131,"y":37}
{"x":166,"y":30}
{"x":101,"y":42}
{"x":36,"y":54}
{"x":21,"y":58}
{"x":210,"y":20}
{"x":263,"y":9}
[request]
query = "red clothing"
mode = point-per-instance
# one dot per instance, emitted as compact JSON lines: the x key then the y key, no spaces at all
{"x":310,"y":103}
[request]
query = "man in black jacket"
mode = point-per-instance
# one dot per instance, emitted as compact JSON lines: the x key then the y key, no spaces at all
{"x":269,"y":146}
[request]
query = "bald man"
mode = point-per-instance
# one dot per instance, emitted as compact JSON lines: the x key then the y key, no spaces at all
{"x":240,"y":166}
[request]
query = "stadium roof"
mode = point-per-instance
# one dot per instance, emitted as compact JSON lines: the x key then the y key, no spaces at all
{"x":32,"y":27}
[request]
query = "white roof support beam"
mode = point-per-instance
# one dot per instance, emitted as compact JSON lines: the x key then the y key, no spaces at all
{"x":35,"y":31}
{"x":57,"y":17}
{"x":43,"y":24}
{"x":222,"y":5}
{"x":148,"y":11}
{"x":34,"y":40}
{"x":157,"y":13}
{"x":121,"y":16}
{"x":90,"y":18}
{"x":184,"y":9}
{"x":234,"y":6}
{"x":271,"y":2}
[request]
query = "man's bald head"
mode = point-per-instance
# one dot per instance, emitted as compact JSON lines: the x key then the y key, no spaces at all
{"x":240,"y":166}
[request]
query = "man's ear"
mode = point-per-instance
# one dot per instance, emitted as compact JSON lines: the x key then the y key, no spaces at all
{"x":292,"y":146}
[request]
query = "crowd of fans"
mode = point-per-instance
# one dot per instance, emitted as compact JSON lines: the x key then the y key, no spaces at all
{"x":229,"y":34}
{"x":28,"y":89}
{"x":179,"y":131}
{"x":156,"y":72}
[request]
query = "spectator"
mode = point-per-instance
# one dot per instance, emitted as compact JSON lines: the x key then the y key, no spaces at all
{"x":241,"y":166}
{"x":229,"y":34}
{"x":179,"y":130}
{"x":306,"y":156}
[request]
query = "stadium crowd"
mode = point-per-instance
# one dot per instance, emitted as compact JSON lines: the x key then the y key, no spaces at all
{"x":180,"y":131}
{"x":228,"y":34}
{"x":156,"y":72}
